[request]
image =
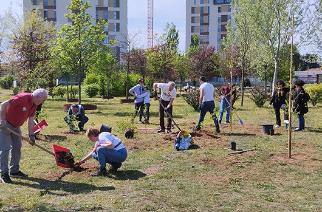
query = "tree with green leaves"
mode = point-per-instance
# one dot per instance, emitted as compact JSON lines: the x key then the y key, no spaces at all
{"x":31,"y":43}
{"x":78,"y":42}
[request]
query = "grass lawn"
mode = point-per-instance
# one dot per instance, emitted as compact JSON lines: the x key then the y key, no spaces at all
{"x":157,"y":178}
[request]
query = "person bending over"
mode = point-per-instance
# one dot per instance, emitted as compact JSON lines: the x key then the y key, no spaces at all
{"x":76,"y":113}
{"x":107,"y":149}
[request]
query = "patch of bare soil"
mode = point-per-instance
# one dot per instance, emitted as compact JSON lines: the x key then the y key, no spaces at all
{"x":152,"y":170}
{"x":304,"y":160}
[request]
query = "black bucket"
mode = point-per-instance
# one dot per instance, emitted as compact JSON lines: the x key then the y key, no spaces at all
{"x":105,"y":128}
{"x":233,"y":146}
{"x":268,"y":129}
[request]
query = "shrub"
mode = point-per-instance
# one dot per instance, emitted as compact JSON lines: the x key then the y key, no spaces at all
{"x":6,"y":82}
{"x":91,"y":79}
{"x":258,"y":96}
{"x":15,"y":90}
{"x":315,"y":92}
{"x":73,"y":92}
{"x":59,"y":91}
{"x":92,"y":90}
{"x":192,"y":98}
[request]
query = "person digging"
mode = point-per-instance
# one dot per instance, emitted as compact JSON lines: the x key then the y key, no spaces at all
{"x":107,"y":149}
{"x":76,"y":113}
{"x":167,"y":97}
{"x":14,"y":113}
{"x":207,"y":103}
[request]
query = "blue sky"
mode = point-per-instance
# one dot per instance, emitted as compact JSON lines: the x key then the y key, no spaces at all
{"x":166,"y":11}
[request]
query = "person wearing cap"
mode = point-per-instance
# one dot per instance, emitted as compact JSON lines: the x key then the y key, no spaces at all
{"x":168,"y":95}
{"x":108,"y":149}
{"x":13,"y":114}
{"x":76,"y":112}
{"x":207,"y":103}
{"x":279,"y":102}
{"x":300,"y":100}
{"x":142,"y":100}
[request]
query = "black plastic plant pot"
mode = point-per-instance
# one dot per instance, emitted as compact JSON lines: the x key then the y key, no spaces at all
{"x":268,"y":129}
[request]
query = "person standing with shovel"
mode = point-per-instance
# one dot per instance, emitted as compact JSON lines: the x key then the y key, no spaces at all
{"x":14,"y":113}
{"x":168,"y":94}
{"x":207,"y":103}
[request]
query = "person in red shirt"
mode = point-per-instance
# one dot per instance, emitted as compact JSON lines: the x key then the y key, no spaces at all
{"x":13,"y":114}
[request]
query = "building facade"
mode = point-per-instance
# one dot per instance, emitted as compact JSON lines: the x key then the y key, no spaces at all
{"x":113,"y":11}
{"x":208,"y":19}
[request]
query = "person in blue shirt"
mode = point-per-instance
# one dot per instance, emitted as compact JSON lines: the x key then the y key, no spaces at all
{"x":76,"y":113}
{"x":108,"y":149}
{"x":141,"y":101}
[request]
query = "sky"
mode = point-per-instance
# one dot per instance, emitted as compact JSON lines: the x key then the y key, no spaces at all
{"x":165,"y":11}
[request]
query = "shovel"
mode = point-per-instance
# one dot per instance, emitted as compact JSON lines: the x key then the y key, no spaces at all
{"x":39,"y":126}
{"x":63,"y":156}
{"x":170,"y":116}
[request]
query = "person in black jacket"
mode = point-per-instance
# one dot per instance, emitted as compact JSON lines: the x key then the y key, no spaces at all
{"x":279,"y":102}
{"x":76,"y":113}
{"x":300,"y":99}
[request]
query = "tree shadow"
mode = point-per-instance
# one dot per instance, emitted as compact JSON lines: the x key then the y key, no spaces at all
{"x":50,"y":138}
{"x":238,"y":134}
{"x":48,"y":186}
{"x":127,"y":175}
{"x":194,"y":146}
{"x":315,"y":130}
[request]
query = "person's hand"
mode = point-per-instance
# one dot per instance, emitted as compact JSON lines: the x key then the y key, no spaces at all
{"x":3,"y":124}
{"x":32,"y":139}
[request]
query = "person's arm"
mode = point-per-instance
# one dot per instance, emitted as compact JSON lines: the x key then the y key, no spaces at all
{"x":202,"y":94}
{"x":108,"y":145}
{"x":131,"y":91}
{"x":87,"y":157}
{"x":82,"y":111}
{"x":3,"y":109}
{"x":31,"y":124}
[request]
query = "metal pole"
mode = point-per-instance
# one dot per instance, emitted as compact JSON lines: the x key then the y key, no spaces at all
{"x":290,"y":98}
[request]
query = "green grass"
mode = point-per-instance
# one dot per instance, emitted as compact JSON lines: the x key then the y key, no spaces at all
{"x":157,"y":178}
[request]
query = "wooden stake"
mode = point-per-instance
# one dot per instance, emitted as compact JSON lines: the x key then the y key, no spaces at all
{"x":290,"y":98}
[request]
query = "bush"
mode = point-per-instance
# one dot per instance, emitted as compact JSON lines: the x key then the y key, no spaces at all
{"x":192,"y":98}
{"x":6,"y":82}
{"x":258,"y":96}
{"x":92,"y":90}
{"x":91,"y":79}
{"x":315,"y":92}
{"x":59,"y":91}
{"x":73,"y":92}
{"x":15,"y":90}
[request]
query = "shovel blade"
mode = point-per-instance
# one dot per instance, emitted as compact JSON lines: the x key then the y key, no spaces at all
{"x":40,"y":126}
{"x":64,"y":158}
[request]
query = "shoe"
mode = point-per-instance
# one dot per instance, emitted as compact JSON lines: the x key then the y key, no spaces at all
{"x":298,"y":129}
{"x":100,"y":172}
{"x":169,"y":131}
{"x":277,"y":126}
{"x":5,"y":178}
{"x":217,"y":130}
{"x":19,"y":174}
{"x":161,"y":130}
{"x":82,"y":130}
{"x":146,"y":121}
{"x":115,"y":167}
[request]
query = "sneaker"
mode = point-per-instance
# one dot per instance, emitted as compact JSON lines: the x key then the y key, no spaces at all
{"x":146,"y":121}
{"x":277,"y":126}
{"x":5,"y":178}
{"x":19,"y":174}
{"x":161,"y":130}
{"x":100,"y":172}
{"x":298,"y":129}
{"x":169,"y":131}
{"x":115,"y":167}
{"x":217,"y":130}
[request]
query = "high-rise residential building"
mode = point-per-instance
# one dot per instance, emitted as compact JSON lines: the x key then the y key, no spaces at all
{"x":113,"y":11}
{"x":208,"y":19}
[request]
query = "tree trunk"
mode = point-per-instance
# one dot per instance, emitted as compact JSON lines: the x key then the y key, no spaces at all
{"x":242,"y":87}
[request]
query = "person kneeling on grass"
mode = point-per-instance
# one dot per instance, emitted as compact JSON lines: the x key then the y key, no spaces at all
{"x":76,"y":113}
{"x":108,"y":149}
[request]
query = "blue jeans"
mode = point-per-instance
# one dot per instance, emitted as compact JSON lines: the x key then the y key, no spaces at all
{"x":204,"y":108}
{"x":111,"y":156}
{"x":301,"y":121}
{"x":224,"y":106}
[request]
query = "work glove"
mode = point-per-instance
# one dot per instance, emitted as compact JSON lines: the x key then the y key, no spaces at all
{"x":32,"y":139}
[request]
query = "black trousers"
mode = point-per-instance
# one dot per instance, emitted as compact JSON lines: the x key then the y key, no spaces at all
{"x":161,"y":113}
{"x":139,"y":108}
{"x":277,"y":109}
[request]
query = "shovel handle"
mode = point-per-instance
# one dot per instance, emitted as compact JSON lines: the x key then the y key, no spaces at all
{"x":26,"y":139}
{"x":169,"y":115}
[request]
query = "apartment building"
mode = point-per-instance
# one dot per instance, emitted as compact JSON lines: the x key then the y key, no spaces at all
{"x":208,"y":19}
{"x":113,"y":11}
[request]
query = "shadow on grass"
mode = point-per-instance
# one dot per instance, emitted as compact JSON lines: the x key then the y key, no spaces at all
{"x":128,"y":175}
{"x":315,"y":130}
{"x":50,"y":138}
{"x":48,"y":186}
{"x":194,"y":146}
{"x":238,"y":134}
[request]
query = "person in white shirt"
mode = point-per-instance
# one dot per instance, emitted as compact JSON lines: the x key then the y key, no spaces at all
{"x":108,"y":149}
{"x":168,"y":94}
{"x":206,"y":103}
{"x":142,"y":101}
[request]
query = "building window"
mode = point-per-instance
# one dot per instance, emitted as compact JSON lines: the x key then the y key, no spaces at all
{"x":101,"y":13}
{"x":222,"y":1}
{"x":194,"y":2}
{"x":204,"y":11}
{"x":224,"y":18}
{"x":115,"y":3}
{"x":194,"y":29}
{"x":194,"y":19}
{"x":116,"y":15}
{"x":194,"y":10}
{"x":35,"y":2}
{"x":223,"y":28}
{"x":115,"y":27}
{"x":219,"y":9}
{"x":229,"y":8}
{"x":49,"y":4}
